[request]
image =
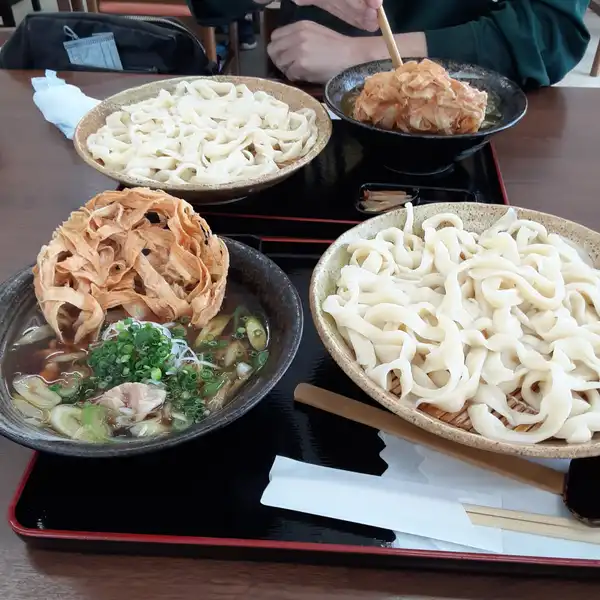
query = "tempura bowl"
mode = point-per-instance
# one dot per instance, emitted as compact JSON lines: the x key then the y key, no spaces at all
{"x":422,"y":153}
{"x":198,"y":194}
{"x":452,"y":426}
{"x":250,"y":269}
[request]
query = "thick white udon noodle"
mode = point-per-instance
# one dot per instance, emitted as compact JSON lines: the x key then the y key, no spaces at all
{"x":462,"y":318}
{"x":205,"y":132}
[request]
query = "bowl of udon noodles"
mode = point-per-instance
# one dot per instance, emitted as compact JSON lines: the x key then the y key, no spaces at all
{"x":204,"y":139}
{"x":139,"y":329}
{"x":478,"y":323}
{"x":427,"y":114}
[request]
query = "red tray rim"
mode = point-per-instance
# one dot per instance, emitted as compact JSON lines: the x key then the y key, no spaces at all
{"x":27,"y":532}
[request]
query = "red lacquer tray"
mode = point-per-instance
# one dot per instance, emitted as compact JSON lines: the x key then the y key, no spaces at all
{"x":203,"y":498}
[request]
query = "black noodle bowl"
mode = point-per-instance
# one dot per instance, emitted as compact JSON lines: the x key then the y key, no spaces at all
{"x":426,"y":153}
{"x":250,"y":270}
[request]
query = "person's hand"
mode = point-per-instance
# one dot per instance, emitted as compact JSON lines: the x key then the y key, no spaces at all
{"x":306,"y":51}
{"x":359,"y":13}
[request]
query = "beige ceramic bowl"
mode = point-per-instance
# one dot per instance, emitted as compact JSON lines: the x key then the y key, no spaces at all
{"x":453,"y":426}
{"x":196,"y":193}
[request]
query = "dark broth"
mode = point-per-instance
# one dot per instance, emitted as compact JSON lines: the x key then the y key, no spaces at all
{"x":349,"y":100}
{"x":206,"y":374}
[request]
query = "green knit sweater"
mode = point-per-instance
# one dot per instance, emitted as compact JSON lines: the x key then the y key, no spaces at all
{"x":534,"y":42}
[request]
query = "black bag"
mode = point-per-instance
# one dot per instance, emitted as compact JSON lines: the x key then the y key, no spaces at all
{"x":145,"y":44}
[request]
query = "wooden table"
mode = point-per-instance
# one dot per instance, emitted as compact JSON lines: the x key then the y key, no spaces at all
{"x":549,"y":162}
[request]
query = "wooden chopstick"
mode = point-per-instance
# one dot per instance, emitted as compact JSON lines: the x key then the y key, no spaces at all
{"x":525,"y":517}
{"x":520,"y":522}
{"x":388,"y":36}
{"x":512,"y":467}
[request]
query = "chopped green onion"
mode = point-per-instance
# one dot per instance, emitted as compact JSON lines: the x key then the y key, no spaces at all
{"x":257,"y":334}
{"x":206,"y":374}
{"x":239,"y":312}
{"x":260,"y":360}
{"x":182,"y":387}
{"x":211,"y":388}
{"x":178,"y":331}
{"x":136,"y":354}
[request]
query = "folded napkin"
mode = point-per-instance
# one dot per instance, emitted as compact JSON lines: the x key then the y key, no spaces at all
{"x":62,"y":104}
{"x":402,"y":506}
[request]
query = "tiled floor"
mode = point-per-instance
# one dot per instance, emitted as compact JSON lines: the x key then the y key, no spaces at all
{"x":579,"y":77}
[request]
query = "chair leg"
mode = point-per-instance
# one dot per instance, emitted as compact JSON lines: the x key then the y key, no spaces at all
{"x":209,"y":41}
{"x":269,"y":19}
{"x":6,"y":13}
{"x":596,"y":65}
{"x":234,"y":48}
{"x":269,"y":22}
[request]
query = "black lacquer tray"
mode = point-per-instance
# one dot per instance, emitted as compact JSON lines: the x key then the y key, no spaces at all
{"x":320,"y":202}
{"x":203,"y":498}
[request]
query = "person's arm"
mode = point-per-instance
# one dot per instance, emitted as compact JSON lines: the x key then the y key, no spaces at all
{"x":534,"y":42}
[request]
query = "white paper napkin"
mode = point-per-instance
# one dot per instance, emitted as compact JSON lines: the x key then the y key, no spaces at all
{"x":62,"y":104}
{"x":411,"y":508}
{"x":332,"y":115}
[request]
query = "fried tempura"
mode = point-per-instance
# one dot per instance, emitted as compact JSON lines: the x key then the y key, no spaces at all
{"x":142,"y":250}
{"x":421,"y":97}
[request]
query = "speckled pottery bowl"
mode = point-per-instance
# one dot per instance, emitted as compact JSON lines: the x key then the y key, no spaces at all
{"x":204,"y":193}
{"x":250,"y":269}
{"x":452,"y":426}
{"x":425,"y":153}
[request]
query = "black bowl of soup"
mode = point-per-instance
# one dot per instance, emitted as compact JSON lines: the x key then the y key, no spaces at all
{"x":426,"y":153}
{"x":235,"y":360}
